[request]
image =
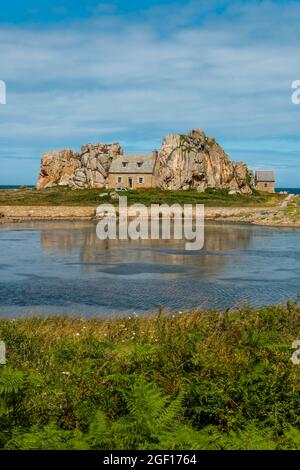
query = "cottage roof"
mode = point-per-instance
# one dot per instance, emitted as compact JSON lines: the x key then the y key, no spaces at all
{"x":265,"y":176}
{"x":133,"y":163}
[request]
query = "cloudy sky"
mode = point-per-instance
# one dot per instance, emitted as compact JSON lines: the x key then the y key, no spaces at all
{"x":132,"y":71}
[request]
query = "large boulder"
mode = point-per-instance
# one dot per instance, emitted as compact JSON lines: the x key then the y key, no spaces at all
{"x":197,"y":161}
{"x":86,"y":169}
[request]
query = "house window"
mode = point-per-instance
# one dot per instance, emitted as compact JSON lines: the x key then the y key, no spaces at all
{"x":124,"y":164}
{"x":139,"y":164}
{"x":266,"y":185}
{"x":119,"y":179}
{"x":141,"y":180}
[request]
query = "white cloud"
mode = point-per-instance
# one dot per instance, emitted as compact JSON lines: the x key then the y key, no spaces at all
{"x":134,"y":81}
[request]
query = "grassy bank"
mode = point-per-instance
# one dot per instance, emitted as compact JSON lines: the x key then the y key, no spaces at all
{"x":91,"y":197}
{"x":293,"y":210}
{"x":191,"y":381}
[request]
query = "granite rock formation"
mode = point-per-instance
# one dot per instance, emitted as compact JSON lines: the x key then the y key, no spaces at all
{"x":197,"y":161}
{"x":86,"y":169}
{"x":184,"y":162}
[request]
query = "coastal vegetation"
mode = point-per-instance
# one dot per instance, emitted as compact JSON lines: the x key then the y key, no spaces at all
{"x":293,"y":210}
{"x":94,"y":197}
{"x":191,"y":380}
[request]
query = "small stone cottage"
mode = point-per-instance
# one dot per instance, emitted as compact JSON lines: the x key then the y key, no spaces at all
{"x":133,"y":171}
{"x":265,"y":181}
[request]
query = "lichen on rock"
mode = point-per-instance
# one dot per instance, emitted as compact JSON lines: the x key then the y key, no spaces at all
{"x":86,"y":169}
{"x":197,"y":161}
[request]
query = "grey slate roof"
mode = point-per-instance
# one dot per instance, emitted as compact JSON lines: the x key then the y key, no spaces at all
{"x":265,"y":176}
{"x":148,"y":162}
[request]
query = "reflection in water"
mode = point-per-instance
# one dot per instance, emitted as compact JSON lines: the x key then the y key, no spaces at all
{"x":62,"y":267}
{"x":81,"y":238}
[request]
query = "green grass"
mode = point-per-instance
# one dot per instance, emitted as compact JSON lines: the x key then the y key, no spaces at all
{"x":91,"y":197}
{"x":199,"y":380}
{"x":293,"y":211}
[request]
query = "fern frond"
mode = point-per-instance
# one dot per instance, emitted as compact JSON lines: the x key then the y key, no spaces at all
{"x":250,"y":438}
{"x":292,"y":434}
{"x":11,"y":381}
{"x":173,"y":411}
{"x":49,"y":438}
{"x":145,"y":402}
{"x":98,"y":435}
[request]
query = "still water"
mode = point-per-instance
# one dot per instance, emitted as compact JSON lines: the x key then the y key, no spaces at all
{"x":62,"y":268}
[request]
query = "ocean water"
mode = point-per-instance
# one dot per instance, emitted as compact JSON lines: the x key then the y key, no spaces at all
{"x":13,"y":187}
{"x":289,"y":190}
{"x":51,"y":268}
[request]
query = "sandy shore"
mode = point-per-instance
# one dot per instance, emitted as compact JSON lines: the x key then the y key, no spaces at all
{"x":13,"y":213}
{"x":261,"y":216}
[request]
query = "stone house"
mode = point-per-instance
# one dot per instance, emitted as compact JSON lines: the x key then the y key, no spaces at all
{"x":133,"y":171}
{"x":265,"y":181}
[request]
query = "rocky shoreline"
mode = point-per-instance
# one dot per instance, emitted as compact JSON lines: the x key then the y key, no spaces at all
{"x":258,"y":216}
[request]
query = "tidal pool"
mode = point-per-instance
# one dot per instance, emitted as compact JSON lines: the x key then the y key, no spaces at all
{"x":53,"y":268}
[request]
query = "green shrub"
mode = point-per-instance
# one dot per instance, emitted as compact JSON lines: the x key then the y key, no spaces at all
{"x":200,"y":380}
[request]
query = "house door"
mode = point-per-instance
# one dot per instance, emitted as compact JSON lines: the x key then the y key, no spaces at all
{"x":130,"y":182}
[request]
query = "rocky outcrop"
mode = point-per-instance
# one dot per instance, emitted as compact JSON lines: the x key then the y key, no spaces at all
{"x":184,"y":162}
{"x":197,"y":161}
{"x":86,"y":169}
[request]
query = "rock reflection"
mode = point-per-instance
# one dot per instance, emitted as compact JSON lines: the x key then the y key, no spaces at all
{"x":62,"y":268}
{"x":221,"y":240}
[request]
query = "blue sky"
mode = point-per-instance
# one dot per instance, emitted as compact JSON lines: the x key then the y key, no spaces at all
{"x":132,"y":71}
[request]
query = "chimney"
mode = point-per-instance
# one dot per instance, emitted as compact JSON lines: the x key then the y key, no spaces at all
{"x":154,"y":154}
